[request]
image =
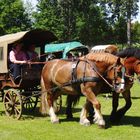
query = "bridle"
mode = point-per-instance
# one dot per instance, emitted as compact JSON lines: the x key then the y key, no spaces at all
{"x":117,"y":74}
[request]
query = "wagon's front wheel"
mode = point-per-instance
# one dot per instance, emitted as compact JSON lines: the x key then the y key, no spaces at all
{"x":13,"y":103}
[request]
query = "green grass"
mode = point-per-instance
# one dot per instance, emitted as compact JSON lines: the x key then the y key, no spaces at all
{"x":33,"y":126}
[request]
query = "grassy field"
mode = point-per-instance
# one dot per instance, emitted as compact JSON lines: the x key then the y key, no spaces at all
{"x":33,"y":126}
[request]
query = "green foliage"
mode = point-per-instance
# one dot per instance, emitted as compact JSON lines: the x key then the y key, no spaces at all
{"x":136,"y":32}
{"x":91,"y":22}
{"x":73,"y":20}
{"x":48,"y":16}
{"x":120,"y":31}
{"x":122,"y":9}
{"x":13,"y":17}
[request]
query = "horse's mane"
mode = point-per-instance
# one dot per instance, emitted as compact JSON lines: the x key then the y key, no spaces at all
{"x":102,"y":57}
{"x":129,"y":52}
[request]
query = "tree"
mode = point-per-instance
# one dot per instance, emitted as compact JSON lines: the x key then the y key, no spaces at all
{"x":73,"y":20}
{"x":48,"y":16}
{"x":136,"y":32}
{"x":13,"y":17}
{"x":131,"y":10}
{"x":126,"y":9}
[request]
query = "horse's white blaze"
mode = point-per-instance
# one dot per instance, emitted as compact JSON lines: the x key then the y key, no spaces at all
{"x":122,"y":86}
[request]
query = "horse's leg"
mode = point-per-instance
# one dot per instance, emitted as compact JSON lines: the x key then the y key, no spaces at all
{"x":117,"y":115}
{"x":52,"y":114}
{"x":83,"y":116}
{"x":43,"y":102}
{"x":92,"y":98}
{"x":69,"y":106}
{"x":115,"y":98}
{"x":72,"y":100}
{"x":90,"y":110}
{"x":120,"y":113}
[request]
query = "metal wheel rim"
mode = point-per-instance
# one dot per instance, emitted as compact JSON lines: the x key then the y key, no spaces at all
{"x":13,"y":103}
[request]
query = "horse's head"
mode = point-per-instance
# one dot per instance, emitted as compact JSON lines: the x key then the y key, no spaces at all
{"x":116,"y":73}
{"x":137,"y":69}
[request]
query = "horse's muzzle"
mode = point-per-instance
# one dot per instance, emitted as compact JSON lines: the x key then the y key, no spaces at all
{"x":119,"y":88}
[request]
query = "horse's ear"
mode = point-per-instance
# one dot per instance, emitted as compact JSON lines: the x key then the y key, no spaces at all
{"x":121,"y":61}
{"x":118,"y":61}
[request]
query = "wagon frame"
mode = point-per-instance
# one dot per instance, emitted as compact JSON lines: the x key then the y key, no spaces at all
{"x":25,"y":94}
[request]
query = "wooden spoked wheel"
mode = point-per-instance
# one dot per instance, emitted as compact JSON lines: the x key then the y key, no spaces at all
{"x":30,"y":103}
{"x":13,"y":103}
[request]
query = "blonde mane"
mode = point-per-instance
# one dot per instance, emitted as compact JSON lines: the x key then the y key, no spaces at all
{"x":105,"y":48}
{"x":102,"y":57}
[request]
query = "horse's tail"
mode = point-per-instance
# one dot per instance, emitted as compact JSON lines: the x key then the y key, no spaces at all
{"x":72,"y":100}
{"x":43,"y":103}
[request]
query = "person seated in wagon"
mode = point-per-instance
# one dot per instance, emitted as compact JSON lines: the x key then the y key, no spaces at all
{"x":32,"y":55}
{"x":17,"y":58}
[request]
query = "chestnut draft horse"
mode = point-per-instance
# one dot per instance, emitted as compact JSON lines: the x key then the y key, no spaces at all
{"x":58,"y":77}
{"x":132,"y":65}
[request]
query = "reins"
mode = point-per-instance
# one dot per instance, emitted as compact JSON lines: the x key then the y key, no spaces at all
{"x":94,"y":68}
{"x":103,"y":78}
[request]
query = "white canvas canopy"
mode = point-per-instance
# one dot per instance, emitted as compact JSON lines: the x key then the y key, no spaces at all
{"x":4,"y":42}
{"x":36,"y":36}
{"x":105,"y":48}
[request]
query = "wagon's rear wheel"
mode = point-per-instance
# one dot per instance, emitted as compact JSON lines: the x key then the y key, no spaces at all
{"x":30,"y":103}
{"x":12,"y":103}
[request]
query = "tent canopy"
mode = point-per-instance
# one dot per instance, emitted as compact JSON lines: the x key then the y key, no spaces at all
{"x":65,"y":47}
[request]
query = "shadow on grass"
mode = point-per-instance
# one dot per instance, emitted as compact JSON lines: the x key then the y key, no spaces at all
{"x":31,"y":114}
{"x":126,"y":120}
{"x":2,"y":113}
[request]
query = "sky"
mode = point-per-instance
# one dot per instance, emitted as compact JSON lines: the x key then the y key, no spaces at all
{"x":34,"y":2}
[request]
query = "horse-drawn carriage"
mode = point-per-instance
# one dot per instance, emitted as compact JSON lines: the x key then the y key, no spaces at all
{"x":25,"y":94}
{"x":16,"y":97}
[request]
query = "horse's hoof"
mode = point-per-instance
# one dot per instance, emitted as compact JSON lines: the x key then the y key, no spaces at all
{"x":101,"y":122}
{"x":101,"y":126}
{"x":56,"y":121}
{"x":85,"y":122}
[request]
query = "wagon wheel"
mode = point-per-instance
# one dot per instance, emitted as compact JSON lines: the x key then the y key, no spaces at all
{"x":29,"y":102}
{"x":58,"y":104}
{"x":1,"y":95}
{"x":12,"y":103}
